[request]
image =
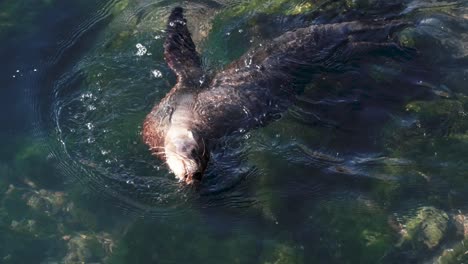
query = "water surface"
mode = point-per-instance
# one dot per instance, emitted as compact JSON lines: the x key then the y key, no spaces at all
{"x":369,"y":165}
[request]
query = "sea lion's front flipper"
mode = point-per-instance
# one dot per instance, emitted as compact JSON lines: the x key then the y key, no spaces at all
{"x":179,"y":49}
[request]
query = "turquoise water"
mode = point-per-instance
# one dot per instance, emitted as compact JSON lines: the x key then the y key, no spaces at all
{"x":369,"y":165}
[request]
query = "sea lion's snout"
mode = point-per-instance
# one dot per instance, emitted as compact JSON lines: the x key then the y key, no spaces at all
{"x":185,"y":155}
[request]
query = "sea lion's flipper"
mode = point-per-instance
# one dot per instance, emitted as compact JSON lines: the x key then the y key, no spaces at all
{"x":328,"y":46}
{"x":179,"y":49}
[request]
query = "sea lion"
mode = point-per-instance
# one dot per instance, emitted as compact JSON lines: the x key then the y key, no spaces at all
{"x":249,"y":92}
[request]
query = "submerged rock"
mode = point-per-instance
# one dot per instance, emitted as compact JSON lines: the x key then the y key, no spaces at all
{"x":88,"y":248}
{"x":461,"y":224}
{"x":456,"y":253}
{"x":25,"y":226}
{"x":35,"y":165}
{"x":49,"y":202}
{"x":426,"y":228}
{"x":283,"y":253}
{"x":351,"y":231}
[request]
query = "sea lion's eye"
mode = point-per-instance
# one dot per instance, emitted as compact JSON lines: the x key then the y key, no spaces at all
{"x":193,"y":152}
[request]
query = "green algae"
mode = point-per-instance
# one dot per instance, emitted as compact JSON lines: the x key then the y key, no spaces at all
{"x":35,"y":165}
{"x":24,"y":230}
{"x":359,"y":4}
{"x":188,"y":238}
{"x":370,"y":239}
{"x":436,"y":144}
{"x":353,"y":231}
{"x":279,"y":137}
{"x":120,"y":6}
{"x":167,"y":239}
{"x":443,"y":114}
{"x":268,"y":7}
{"x":408,"y":38}
{"x":85,"y":248}
{"x":426,"y":228}
{"x":455,"y":254}
{"x":9,"y":19}
{"x":282,"y":253}
{"x":39,"y":218}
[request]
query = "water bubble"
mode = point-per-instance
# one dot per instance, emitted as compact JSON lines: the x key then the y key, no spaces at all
{"x":89,"y":126}
{"x":14,"y":76}
{"x":17,"y":70}
{"x":248,"y":62}
{"x":35,"y":70}
{"x":157,"y":73}
{"x":246,"y":111}
{"x":141,"y":50}
{"x":86,"y":95}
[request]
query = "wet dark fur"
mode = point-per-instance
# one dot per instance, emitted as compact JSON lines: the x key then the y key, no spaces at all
{"x":259,"y":85}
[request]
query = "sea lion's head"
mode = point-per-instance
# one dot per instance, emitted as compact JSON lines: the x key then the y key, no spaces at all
{"x":186,"y":154}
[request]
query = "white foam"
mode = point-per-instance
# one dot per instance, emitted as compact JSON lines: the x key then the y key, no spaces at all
{"x":141,"y":50}
{"x":157,"y":73}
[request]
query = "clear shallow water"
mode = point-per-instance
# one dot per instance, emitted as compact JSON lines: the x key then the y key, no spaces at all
{"x":369,"y":164}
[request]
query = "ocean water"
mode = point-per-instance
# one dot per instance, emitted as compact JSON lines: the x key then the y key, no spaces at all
{"x":369,"y":164}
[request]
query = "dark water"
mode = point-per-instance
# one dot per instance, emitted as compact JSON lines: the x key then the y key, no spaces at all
{"x":370,"y":164}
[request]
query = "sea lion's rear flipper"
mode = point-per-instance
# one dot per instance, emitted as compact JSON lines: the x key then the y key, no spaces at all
{"x":179,"y":49}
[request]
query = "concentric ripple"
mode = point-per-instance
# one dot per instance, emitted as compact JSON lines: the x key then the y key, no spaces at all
{"x":110,"y":72}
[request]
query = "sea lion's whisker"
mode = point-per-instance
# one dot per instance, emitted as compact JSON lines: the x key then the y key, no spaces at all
{"x":203,"y":142}
{"x":156,"y":147}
